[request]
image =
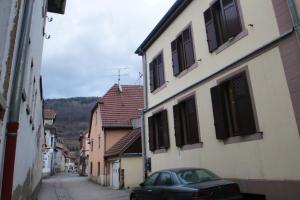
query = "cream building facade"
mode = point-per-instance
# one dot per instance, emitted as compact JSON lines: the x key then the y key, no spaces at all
{"x":233,"y":88}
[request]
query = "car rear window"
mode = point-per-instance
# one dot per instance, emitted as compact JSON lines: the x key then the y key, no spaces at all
{"x":190,"y":176}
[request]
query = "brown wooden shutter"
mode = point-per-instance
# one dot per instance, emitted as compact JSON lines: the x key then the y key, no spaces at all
{"x":188,"y":47}
{"x":165,"y":128}
{"x":210,"y":30}
{"x":151,"y":134}
{"x":192,"y":121}
{"x":243,"y":105}
{"x":160,"y":69}
{"x":177,"y":126}
{"x":231,"y":19}
{"x":219,"y":111}
{"x":152,"y":88}
{"x":175,"y":58}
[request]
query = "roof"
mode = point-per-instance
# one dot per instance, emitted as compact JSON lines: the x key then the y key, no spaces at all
{"x":49,"y":114}
{"x":163,"y":24}
{"x":124,"y":143}
{"x":118,"y":108}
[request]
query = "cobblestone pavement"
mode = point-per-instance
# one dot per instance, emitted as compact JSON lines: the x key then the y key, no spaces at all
{"x":73,"y":187}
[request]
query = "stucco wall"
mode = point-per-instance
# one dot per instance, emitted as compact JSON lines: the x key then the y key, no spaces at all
{"x":256,"y":12}
{"x":96,"y":154}
{"x":133,"y":171}
{"x":275,"y":157}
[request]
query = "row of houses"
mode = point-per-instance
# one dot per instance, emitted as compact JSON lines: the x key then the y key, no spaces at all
{"x":57,"y":157}
{"x":111,"y":151}
{"x":221,"y":91}
{"x":22,"y":32}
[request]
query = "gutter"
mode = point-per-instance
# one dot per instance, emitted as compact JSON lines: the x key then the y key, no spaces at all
{"x":267,"y":45}
{"x":15,"y":101}
{"x":295,"y":16}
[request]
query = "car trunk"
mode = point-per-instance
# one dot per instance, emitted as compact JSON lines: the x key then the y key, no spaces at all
{"x":219,"y":189}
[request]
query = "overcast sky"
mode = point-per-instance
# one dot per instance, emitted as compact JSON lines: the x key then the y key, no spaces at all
{"x":92,"y":40}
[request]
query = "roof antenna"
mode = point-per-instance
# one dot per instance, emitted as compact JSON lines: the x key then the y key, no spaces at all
{"x":119,"y":77}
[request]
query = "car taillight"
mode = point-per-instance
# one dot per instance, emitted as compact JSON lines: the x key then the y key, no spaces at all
{"x":202,"y":194}
{"x":233,"y":188}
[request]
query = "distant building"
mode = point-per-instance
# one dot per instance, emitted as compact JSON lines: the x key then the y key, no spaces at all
{"x":60,"y":153}
{"x":50,"y":143}
{"x":110,"y":126}
{"x":22,"y":33}
{"x":84,"y":153}
{"x":222,"y":91}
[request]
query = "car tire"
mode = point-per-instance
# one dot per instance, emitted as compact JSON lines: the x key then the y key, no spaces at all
{"x":133,"y":197}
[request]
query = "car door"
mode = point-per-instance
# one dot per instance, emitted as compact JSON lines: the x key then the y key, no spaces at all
{"x":145,"y":192}
{"x":163,"y":186}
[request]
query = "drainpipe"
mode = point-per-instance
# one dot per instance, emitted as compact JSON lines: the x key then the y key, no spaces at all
{"x":15,"y":102}
{"x":295,"y":16}
{"x":143,"y":115}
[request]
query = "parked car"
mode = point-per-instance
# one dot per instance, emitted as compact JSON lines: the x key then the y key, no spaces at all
{"x":186,"y":184}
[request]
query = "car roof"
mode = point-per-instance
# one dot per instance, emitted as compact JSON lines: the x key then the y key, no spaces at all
{"x":180,"y":169}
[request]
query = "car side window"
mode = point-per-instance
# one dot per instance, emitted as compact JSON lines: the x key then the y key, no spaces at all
{"x":164,"y":179}
{"x":151,"y":180}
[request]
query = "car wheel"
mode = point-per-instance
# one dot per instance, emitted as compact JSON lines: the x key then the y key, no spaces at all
{"x":133,"y":197}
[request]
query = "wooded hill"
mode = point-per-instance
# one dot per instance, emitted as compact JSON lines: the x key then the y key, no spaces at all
{"x":72,"y":117}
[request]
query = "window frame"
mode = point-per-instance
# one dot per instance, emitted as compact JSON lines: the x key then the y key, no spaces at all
{"x":257,"y":135}
{"x":158,"y":124}
{"x":157,"y":83}
{"x":186,"y":134}
{"x":230,"y":41}
{"x":181,"y":55}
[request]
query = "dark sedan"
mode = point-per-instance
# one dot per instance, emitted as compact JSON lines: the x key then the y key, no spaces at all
{"x":186,"y":184}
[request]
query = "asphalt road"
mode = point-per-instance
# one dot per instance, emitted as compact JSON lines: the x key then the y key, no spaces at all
{"x":73,"y":187}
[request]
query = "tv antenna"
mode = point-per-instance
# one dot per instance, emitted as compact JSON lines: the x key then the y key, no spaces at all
{"x":120,"y":74}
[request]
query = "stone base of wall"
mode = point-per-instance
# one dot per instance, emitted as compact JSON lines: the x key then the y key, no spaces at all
{"x":271,"y":189}
{"x":100,"y":180}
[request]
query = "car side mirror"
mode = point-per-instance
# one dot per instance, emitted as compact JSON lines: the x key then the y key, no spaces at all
{"x":142,"y":184}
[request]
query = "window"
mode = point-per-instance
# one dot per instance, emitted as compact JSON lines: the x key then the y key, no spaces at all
{"x":157,"y":75}
{"x":99,"y":141}
{"x":164,"y":179}
{"x":91,"y":168}
{"x":151,"y":180}
{"x":98,"y":168}
{"x":222,"y":21}
{"x":186,"y":122}
{"x":183,"y":51}
{"x":92,"y":145}
{"x":232,"y":108}
{"x":159,"y":131}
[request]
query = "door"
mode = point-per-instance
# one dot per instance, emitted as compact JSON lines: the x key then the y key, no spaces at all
{"x":115,"y":174}
{"x":146,"y":190}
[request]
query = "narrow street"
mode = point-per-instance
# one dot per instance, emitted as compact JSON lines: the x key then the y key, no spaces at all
{"x":73,"y":187}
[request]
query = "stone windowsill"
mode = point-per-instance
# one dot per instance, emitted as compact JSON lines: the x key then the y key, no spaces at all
{"x":192,"y":146}
{"x":248,"y":138}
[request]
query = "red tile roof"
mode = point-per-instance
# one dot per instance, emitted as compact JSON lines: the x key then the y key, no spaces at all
{"x":124,"y":143}
{"x":119,"y":107}
{"x":49,"y":114}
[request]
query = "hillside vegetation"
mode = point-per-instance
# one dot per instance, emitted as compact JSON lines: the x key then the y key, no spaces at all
{"x":73,"y":115}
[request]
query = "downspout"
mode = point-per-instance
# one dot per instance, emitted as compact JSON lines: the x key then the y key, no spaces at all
{"x":143,"y":114}
{"x":295,"y":17}
{"x":15,"y":102}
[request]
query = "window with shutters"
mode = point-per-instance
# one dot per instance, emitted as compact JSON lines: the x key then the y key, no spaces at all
{"x":186,"y":122}
{"x":159,"y":131}
{"x":223,"y":23}
{"x":157,"y":74}
{"x":182,"y":49}
{"x":232,"y":108}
